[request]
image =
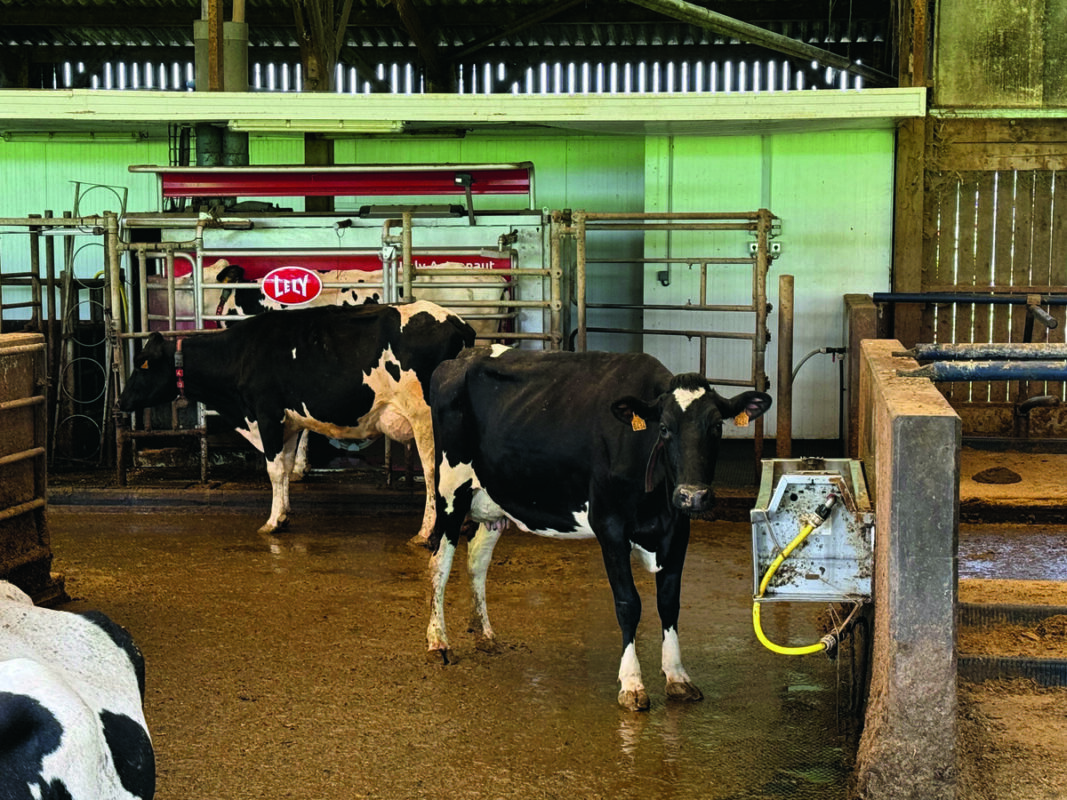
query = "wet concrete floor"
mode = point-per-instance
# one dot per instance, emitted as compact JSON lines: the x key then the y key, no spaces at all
{"x":293,"y":666}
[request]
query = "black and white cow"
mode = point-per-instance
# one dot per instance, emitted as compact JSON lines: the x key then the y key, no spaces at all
{"x":573,"y":445}
{"x":452,"y":293}
{"x":71,"y":718}
{"x":346,"y":372}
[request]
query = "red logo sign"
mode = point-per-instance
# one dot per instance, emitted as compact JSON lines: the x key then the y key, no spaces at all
{"x":292,"y":286}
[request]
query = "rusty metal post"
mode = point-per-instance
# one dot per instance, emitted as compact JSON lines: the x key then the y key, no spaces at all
{"x":759,"y":355}
{"x":784,"y":398}
{"x":35,"y":275}
{"x":405,"y":254}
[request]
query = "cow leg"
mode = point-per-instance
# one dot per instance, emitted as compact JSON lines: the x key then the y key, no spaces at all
{"x":279,"y":469}
{"x":479,"y":554}
{"x":632,"y":694}
{"x":422,"y":428}
{"x":668,"y":602}
{"x":436,"y":635}
{"x":679,"y":686}
{"x":300,"y":463}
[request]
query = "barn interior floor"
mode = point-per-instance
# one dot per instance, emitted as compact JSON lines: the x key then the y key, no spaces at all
{"x":294,"y":665}
{"x":255,"y":691}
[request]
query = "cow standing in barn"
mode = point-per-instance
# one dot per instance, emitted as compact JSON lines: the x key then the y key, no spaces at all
{"x":361,"y":288}
{"x":573,"y":445}
{"x":71,"y":718}
{"x":345,"y":372}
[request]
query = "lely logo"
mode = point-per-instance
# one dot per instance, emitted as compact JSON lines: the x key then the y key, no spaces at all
{"x":292,"y":286}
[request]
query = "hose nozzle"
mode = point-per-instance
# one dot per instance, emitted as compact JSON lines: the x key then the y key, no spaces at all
{"x":822,"y":513}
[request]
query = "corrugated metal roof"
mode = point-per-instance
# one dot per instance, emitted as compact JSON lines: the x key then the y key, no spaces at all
{"x":37,"y":33}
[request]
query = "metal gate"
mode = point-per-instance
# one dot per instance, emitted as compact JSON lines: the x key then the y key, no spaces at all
{"x":762,"y":225}
{"x":404,"y":247}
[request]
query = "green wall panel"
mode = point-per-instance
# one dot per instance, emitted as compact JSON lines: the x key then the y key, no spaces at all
{"x":833,"y":193}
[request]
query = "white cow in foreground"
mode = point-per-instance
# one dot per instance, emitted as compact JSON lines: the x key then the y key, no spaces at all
{"x":71,"y":717}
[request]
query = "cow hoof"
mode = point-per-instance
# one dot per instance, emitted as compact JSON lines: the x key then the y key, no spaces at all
{"x":443,"y":657}
{"x":684,"y":692}
{"x":634,"y":700}
{"x":418,"y":540}
{"x":485,"y":644}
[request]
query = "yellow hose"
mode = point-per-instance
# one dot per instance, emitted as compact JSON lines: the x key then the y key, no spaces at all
{"x":777,"y":648}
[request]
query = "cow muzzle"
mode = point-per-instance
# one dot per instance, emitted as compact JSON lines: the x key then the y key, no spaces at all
{"x":693,"y":499}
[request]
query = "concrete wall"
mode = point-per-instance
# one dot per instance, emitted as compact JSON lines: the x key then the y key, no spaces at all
{"x":909,"y":442}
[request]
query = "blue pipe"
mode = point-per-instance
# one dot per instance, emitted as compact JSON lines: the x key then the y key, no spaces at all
{"x":989,"y":371}
{"x":995,"y":350}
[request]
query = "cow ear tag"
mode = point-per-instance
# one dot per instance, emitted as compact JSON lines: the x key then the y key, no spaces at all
{"x":741,"y":420}
{"x":144,"y":365}
{"x":637,"y":423}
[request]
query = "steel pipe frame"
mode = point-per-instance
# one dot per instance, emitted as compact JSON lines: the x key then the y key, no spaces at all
{"x":994,"y":350}
{"x":410,"y":274}
{"x":759,"y":222}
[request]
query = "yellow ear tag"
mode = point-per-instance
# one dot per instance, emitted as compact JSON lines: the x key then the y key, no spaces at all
{"x":637,"y":423}
{"x":144,"y":365}
{"x":741,"y":420}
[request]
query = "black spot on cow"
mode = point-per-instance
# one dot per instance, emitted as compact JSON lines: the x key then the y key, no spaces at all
{"x":28,"y":733}
{"x":394,"y":370}
{"x":131,"y":750}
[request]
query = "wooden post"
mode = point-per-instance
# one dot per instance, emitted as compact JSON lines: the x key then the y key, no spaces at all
{"x":784,"y":436}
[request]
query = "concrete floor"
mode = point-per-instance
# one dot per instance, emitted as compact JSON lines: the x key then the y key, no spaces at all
{"x":293,"y":666}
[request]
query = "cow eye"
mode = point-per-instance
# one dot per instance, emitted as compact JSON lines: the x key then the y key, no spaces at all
{"x":664,"y":431}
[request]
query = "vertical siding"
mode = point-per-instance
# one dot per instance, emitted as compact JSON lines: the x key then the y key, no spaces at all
{"x":834,"y":192}
{"x":39,"y":175}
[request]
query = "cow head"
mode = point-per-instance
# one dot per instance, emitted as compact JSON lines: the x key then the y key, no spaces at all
{"x":689,"y":418}
{"x":152,"y":380}
{"x":232,"y":301}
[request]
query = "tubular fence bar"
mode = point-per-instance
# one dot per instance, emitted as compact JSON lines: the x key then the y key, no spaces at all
{"x":1032,"y":370}
{"x":397,"y":271}
{"x":993,"y":350}
{"x":758,"y":222}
